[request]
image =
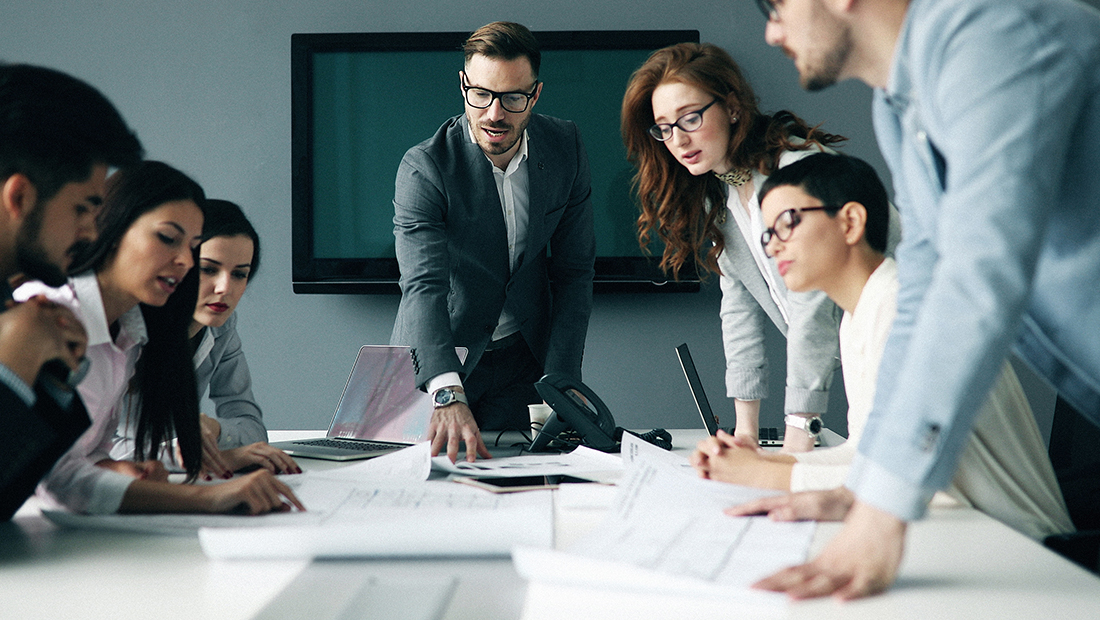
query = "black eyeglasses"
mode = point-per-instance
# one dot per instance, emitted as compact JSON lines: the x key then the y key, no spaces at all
{"x":767,"y":7}
{"x":688,"y":122}
{"x":786,"y":223}
{"x":481,"y":98}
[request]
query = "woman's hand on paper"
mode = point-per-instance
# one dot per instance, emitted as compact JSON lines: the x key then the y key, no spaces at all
{"x":260,"y":454}
{"x":256,"y":493}
{"x":213,"y":463}
{"x":862,"y":560}
{"x":453,"y":424}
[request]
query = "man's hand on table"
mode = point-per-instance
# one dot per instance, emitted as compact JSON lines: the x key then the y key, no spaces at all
{"x":453,"y":424}
{"x":830,"y":505}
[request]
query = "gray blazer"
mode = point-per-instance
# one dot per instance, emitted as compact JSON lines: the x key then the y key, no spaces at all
{"x":221,"y":367}
{"x":451,"y":246}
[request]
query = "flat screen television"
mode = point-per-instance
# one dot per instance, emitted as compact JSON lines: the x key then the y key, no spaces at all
{"x":360,"y":100}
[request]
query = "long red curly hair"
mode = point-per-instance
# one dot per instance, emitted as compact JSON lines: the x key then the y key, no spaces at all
{"x":672,"y":200}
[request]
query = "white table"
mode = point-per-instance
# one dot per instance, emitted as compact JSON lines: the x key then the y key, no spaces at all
{"x":959,"y":563}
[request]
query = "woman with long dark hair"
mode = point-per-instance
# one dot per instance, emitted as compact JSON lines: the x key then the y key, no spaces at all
{"x":235,"y":437}
{"x":701,"y":146}
{"x":135,"y":291}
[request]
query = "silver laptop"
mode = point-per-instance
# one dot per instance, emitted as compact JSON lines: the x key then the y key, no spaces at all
{"x":380,"y":410}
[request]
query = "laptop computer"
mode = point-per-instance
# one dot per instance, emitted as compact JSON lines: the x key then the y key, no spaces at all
{"x":768,"y":436}
{"x":380,"y":409}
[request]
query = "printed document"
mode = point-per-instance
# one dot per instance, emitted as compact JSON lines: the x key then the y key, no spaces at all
{"x":666,"y":531}
{"x":384,"y":507}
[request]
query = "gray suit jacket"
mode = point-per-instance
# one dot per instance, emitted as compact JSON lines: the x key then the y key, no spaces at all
{"x":451,"y":246}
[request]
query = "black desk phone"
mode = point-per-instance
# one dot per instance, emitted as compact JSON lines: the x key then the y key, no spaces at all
{"x":577,"y":408}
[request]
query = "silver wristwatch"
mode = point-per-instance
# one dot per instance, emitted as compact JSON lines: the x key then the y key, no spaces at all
{"x":812,"y":425}
{"x":448,"y":396}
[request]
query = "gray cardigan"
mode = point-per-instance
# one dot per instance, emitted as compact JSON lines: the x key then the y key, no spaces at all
{"x":813,"y":349}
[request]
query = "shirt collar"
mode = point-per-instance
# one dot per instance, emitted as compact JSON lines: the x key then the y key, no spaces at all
{"x":520,"y":157}
{"x":131,"y":325}
{"x":206,"y":345}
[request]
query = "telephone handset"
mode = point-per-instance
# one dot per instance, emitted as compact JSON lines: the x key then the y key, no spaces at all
{"x":575,"y":407}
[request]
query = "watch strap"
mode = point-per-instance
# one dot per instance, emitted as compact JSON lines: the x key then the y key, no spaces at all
{"x":812,"y":425}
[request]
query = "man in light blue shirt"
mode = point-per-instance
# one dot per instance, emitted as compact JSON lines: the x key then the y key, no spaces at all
{"x":988,"y":113}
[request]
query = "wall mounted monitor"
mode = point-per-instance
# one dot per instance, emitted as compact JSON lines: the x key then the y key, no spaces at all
{"x":360,"y":100}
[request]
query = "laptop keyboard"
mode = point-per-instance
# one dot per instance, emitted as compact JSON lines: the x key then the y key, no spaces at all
{"x":343,"y":444}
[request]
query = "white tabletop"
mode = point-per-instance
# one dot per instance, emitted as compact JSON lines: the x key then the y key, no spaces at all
{"x":959,"y":564}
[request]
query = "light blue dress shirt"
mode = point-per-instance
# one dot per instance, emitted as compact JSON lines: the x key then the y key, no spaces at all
{"x":989,"y":123}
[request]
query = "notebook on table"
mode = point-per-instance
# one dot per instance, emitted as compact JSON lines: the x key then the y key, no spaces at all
{"x":380,"y":409}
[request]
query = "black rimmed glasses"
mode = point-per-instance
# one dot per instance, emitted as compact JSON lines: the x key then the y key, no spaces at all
{"x":481,"y":98}
{"x":767,"y":7}
{"x":786,"y":223}
{"x":688,"y":122}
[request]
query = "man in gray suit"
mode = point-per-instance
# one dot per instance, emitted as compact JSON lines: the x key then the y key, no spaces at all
{"x":476,"y":208}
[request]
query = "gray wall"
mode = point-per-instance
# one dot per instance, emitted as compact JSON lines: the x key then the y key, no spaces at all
{"x":206,"y":84}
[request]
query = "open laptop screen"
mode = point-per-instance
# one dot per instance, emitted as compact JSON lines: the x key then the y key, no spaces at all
{"x":380,"y":400}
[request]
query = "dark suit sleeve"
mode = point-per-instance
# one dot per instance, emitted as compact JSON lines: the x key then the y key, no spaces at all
{"x":31,"y":441}
{"x":572,"y":267}
{"x":420,"y":242}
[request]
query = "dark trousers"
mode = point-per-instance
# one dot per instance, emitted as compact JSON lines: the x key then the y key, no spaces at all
{"x":502,"y":385}
{"x":1075,"y":455}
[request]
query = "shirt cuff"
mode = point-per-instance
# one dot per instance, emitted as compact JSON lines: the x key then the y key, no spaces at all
{"x":746,"y":383}
{"x":802,"y":400}
{"x":877,"y":486}
{"x":444,"y":380}
{"x":109,"y":490}
{"x":17,"y":385}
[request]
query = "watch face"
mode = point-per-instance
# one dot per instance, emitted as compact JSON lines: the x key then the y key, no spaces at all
{"x":814,"y":426}
{"x":443,"y":396}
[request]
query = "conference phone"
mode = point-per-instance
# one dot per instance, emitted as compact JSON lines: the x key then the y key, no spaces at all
{"x":581,"y":418}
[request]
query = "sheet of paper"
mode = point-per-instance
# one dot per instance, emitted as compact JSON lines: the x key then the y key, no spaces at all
{"x":320,"y":491}
{"x":577,"y":463}
{"x":172,"y":524}
{"x":635,"y":449}
{"x":434,"y":518}
{"x":666,"y":529}
{"x":412,"y":464}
